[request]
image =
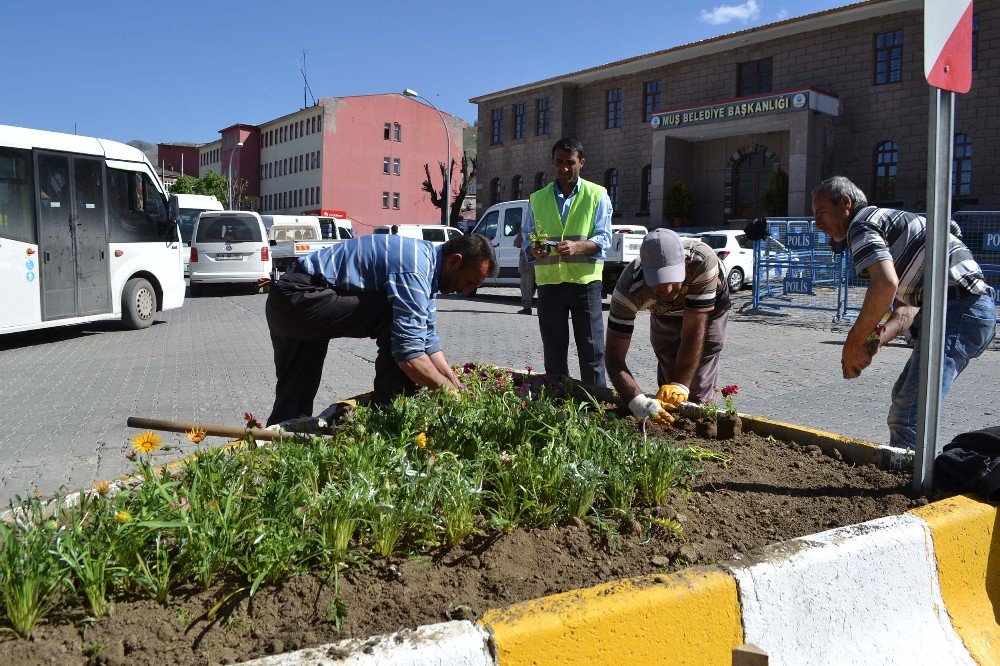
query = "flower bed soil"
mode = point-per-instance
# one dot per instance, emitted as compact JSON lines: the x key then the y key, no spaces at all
{"x":769,"y":491}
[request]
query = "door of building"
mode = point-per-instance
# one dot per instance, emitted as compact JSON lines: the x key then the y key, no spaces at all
{"x":751,"y":176}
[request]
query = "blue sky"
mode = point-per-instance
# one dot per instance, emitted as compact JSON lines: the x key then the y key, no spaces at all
{"x":181,"y":70}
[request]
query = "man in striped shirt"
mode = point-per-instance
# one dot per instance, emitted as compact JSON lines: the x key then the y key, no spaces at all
{"x":888,"y":247}
{"x":678,"y":281}
{"x":379,"y":286}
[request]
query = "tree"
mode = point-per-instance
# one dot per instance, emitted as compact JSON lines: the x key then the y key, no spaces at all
{"x":680,"y":202}
{"x":438,"y":197}
{"x":214,"y":184}
{"x":774,"y":202}
{"x":184,"y":185}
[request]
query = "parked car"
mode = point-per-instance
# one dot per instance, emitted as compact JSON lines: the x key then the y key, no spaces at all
{"x":735,"y":250}
{"x":229,"y":247}
{"x":294,"y":236}
{"x":434,"y":233}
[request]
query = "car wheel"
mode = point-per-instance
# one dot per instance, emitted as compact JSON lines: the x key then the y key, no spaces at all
{"x":138,"y":303}
{"x":735,"y":280}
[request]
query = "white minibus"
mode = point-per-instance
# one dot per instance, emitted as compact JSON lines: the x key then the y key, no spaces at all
{"x":84,"y":233}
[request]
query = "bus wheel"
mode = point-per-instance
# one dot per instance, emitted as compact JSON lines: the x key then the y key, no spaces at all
{"x":138,"y":303}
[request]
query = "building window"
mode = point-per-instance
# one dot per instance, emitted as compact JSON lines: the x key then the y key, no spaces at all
{"x":961,"y":166}
{"x":652,"y":98}
{"x":975,"y":42}
{"x":754,"y":77}
{"x":387,"y":131}
{"x":888,"y":57}
{"x":385,"y":200}
{"x":516,"y":188}
{"x":397,"y":132}
{"x":646,"y":193}
{"x":541,"y":117}
{"x":540,"y":180}
{"x":886,"y":160}
{"x":614,"y":99}
{"x":385,"y":165}
{"x":395,"y":167}
{"x":497,"y":136}
{"x":611,"y":184}
{"x":395,"y":200}
{"x":495,"y":191}
{"x":520,"y":121}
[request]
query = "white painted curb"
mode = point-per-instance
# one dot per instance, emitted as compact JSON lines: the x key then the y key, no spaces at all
{"x":460,"y":643}
{"x":861,"y":594}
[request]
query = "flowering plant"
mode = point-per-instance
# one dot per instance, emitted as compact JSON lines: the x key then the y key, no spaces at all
{"x":874,"y":340}
{"x":727,"y":398}
{"x":538,"y":238}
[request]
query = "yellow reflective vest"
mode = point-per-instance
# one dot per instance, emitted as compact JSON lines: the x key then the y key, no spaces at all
{"x":577,"y":268}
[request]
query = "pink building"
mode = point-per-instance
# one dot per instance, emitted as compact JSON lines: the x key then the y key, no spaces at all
{"x":363,"y":154}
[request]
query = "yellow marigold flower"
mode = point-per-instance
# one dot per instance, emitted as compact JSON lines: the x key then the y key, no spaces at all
{"x":123,"y":517}
{"x":146,"y":442}
{"x":421,"y":441}
{"x":102,"y":487}
{"x":196,"y":435}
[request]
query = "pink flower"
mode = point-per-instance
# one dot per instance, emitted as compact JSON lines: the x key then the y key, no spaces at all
{"x":528,"y":368}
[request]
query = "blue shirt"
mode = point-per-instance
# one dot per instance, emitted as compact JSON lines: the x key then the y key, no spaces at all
{"x":602,"y":220}
{"x":407,"y":270}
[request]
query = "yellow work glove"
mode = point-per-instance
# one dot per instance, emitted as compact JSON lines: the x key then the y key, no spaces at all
{"x":672,"y":395}
{"x":643,"y":407}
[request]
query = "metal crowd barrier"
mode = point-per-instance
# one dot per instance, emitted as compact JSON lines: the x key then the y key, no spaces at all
{"x":981,"y":233}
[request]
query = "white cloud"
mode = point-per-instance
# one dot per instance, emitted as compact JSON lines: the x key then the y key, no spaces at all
{"x":748,"y":11}
{"x":782,"y":15}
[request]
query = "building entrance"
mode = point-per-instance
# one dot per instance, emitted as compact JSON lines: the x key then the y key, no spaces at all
{"x":751,"y":176}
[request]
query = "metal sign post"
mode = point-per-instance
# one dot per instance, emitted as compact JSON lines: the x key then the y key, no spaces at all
{"x":948,"y":69}
{"x":935,"y":294}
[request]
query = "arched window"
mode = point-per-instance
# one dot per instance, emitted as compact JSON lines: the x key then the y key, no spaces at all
{"x":961,"y":166}
{"x":646,"y":192}
{"x":516,"y":188}
{"x":886,"y":161}
{"x":611,"y":183}
{"x":495,"y":191}
{"x":540,"y":180}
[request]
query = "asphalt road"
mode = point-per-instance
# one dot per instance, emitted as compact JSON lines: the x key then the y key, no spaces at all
{"x":67,"y":392}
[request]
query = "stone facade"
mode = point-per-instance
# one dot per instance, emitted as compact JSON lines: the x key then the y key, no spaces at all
{"x":812,"y":54}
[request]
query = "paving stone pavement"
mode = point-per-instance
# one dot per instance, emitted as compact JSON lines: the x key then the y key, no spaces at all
{"x":67,"y":392}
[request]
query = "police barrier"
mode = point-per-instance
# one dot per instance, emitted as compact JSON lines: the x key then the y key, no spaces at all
{"x":981,"y":233}
{"x":795,"y":268}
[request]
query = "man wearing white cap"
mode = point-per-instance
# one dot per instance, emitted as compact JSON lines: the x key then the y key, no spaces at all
{"x":678,"y":281}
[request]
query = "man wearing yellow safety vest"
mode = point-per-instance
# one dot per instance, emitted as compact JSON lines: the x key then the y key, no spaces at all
{"x":575,"y":217}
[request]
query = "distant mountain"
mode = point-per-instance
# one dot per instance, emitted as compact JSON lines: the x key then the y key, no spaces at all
{"x":148,"y":148}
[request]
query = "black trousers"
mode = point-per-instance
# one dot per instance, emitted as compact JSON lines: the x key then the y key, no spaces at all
{"x":582,"y":302}
{"x":303,"y":314}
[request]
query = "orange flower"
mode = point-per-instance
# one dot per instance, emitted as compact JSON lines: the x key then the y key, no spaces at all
{"x":196,"y":434}
{"x":102,"y":487}
{"x":146,"y":442}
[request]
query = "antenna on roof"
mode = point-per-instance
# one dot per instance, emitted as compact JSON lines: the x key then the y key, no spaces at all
{"x":305,"y":81}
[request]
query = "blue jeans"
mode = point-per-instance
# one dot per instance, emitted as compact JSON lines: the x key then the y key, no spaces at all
{"x":970,"y":326}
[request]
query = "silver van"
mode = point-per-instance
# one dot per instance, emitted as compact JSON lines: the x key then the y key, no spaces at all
{"x":229,"y":247}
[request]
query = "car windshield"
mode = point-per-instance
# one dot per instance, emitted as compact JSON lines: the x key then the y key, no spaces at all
{"x":229,"y":229}
{"x":716,"y":242}
{"x":186,"y":218}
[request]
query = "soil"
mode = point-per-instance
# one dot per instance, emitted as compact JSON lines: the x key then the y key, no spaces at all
{"x":769,"y":491}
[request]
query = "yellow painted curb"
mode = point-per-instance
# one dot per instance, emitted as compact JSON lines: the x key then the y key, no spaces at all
{"x":691,"y":617}
{"x":967,"y":550}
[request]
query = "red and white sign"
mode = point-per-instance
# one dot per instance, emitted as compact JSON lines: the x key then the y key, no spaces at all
{"x":948,"y":44}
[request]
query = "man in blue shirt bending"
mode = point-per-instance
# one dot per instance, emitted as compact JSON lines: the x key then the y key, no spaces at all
{"x":380,"y":286}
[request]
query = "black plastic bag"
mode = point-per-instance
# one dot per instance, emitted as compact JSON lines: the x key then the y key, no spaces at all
{"x":971,"y":462}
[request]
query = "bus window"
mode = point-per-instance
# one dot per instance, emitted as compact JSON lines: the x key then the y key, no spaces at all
{"x":17,"y":204}
{"x":136,"y":209}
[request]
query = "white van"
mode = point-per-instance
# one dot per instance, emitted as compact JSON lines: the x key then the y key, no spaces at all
{"x":185,"y":208}
{"x":434,"y":233}
{"x":229,"y":247}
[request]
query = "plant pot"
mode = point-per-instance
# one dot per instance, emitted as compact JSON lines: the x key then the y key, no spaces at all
{"x":729,"y":426}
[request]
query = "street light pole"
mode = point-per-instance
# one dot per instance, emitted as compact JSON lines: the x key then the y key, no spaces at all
{"x":410,"y":92}
{"x":229,"y":182}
